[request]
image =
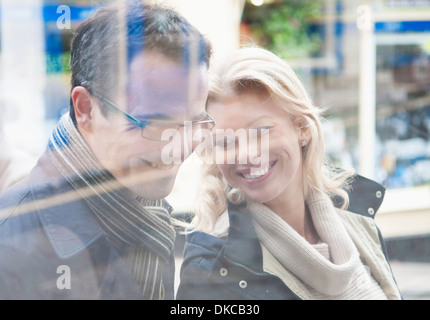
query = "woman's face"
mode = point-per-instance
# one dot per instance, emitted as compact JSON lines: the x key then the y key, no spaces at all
{"x":279,"y":174}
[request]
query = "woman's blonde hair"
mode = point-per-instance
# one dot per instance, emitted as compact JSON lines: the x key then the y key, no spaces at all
{"x":244,"y":71}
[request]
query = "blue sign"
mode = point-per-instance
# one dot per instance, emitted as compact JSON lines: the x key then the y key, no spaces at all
{"x":402,"y":26}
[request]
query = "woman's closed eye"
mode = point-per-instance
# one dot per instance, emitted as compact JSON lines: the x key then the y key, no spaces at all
{"x":229,"y":140}
{"x":263,"y":130}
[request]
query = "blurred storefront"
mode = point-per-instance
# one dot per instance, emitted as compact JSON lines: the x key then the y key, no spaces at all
{"x":35,"y":78}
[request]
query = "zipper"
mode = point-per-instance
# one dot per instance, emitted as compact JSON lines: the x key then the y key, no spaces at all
{"x":260,"y":274}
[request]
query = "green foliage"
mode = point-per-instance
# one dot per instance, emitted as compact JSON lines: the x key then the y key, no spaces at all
{"x":283,"y":26}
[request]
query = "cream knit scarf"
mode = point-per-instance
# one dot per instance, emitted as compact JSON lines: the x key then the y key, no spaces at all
{"x":339,"y":278}
{"x":140,"y":230}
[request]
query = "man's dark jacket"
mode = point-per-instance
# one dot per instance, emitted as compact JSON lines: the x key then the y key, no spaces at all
{"x":51,"y":246}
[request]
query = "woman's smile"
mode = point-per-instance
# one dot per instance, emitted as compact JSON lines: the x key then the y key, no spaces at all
{"x":252,"y":175}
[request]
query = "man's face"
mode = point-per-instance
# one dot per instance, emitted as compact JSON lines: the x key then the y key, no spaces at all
{"x":159,"y":89}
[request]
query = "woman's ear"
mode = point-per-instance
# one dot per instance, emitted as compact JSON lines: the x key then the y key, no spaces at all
{"x":83,"y":106}
{"x":304,"y":133}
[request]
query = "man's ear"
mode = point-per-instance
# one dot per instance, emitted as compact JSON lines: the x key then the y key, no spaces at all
{"x":83,"y":106}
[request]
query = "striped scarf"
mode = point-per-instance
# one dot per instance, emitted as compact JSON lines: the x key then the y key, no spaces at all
{"x":139,"y":229}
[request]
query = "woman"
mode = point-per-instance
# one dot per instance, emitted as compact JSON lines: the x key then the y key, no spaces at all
{"x":290,"y":226}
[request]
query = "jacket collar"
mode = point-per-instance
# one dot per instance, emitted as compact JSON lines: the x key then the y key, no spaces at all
{"x":365,"y":196}
{"x":64,"y":216}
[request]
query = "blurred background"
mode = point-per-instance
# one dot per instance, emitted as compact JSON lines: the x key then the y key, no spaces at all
{"x":366,"y":62}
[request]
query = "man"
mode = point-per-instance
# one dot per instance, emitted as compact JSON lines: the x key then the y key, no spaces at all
{"x":90,"y":221}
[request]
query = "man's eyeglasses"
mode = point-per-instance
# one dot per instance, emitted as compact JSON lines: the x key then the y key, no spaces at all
{"x":153,"y":129}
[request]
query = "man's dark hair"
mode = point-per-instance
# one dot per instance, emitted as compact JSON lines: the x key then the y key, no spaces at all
{"x":119,"y":32}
